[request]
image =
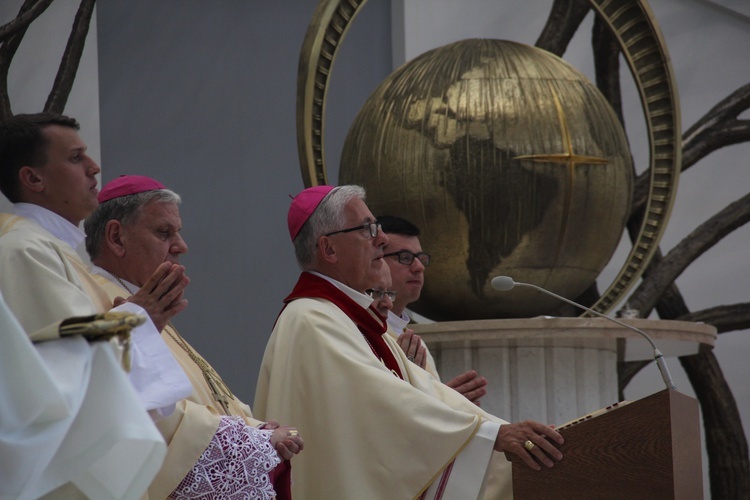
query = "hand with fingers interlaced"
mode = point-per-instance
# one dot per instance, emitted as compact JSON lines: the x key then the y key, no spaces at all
{"x":162,"y":294}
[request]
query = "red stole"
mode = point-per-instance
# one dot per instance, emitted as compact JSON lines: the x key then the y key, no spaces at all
{"x":367,"y":320}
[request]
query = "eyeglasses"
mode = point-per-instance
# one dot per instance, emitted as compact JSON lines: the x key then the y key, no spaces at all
{"x":372,"y":227}
{"x":378,"y":294}
{"x":406,"y":257}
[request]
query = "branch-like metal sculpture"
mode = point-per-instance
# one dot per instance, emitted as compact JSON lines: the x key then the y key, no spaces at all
{"x":705,"y":236}
{"x":66,"y":73}
{"x":11,"y":35}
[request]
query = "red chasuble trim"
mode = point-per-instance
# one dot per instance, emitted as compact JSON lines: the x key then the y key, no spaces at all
{"x":281,"y":478}
{"x":372,"y":328}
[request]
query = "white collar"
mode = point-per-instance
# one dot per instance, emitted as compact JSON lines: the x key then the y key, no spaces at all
{"x":398,"y":323}
{"x":49,"y":220}
{"x":360,"y":298}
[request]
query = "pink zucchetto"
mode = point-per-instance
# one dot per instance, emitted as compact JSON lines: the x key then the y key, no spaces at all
{"x":126,"y":185}
{"x":303,"y":205}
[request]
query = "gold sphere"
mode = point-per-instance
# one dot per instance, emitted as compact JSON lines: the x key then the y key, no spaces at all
{"x":511,"y":163}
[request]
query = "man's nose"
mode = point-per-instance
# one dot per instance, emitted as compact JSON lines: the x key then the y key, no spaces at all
{"x":93,"y":168}
{"x":381,"y":239}
{"x":417,"y":266}
{"x":179,"y":246}
{"x":387,"y":302}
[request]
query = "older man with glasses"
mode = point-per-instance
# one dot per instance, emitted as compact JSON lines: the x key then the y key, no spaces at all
{"x":407,"y":263}
{"x":375,"y":424}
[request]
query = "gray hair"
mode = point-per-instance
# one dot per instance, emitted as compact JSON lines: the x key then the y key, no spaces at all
{"x":328,"y":217}
{"x":126,"y":209}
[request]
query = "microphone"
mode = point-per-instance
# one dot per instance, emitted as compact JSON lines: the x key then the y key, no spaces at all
{"x":505,"y":283}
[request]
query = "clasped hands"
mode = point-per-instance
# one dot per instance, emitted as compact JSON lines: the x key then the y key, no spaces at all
{"x":162,"y":294}
{"x":285,"y":439}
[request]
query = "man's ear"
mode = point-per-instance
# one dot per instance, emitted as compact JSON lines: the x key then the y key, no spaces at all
{"x":113,"y":237}
{"x":30,"y":179}
{"x":326,"y":250}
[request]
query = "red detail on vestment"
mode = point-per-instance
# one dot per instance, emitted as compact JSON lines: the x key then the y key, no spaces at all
{"x":442,"y":484}
{"x":281,"y":478}
{"x":444,"y":477}
{"x":367,"y":320}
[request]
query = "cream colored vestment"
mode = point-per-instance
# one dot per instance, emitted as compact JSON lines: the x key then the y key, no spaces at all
{"x":368,"y":434}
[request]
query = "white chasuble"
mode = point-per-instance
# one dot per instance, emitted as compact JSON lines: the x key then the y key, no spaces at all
{"x":368,"y":433}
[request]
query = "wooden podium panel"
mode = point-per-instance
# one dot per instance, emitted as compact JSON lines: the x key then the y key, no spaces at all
{"x":650,"y":448}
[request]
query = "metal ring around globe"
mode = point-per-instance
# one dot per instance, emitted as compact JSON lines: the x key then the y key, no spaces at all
{"x":631,"y":23}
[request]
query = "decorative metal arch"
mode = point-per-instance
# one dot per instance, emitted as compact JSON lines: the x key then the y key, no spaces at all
{"x":641,"y":42}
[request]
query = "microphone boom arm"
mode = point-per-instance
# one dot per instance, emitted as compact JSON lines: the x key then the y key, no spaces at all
{"x":658,"y":356}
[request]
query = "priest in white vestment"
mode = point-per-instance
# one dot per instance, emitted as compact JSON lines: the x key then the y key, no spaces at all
{"x":375,"y":424}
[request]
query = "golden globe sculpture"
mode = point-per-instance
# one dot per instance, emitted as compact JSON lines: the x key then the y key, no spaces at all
{"x":509,"y":160}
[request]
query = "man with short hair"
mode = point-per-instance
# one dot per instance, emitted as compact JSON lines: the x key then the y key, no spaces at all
{"x":407,"y":263}
{"x":51,"y":181}
{"x":135,"y":229}
{"x":375,"y":424}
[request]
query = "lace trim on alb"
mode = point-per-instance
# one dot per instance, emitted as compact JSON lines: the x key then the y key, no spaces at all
{"x":235,"y":465}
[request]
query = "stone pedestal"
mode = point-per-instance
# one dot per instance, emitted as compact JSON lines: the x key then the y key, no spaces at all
{"x":553,"y":369}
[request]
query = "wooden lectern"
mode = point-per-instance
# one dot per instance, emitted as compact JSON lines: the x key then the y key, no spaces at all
{"x":650,"y":448}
